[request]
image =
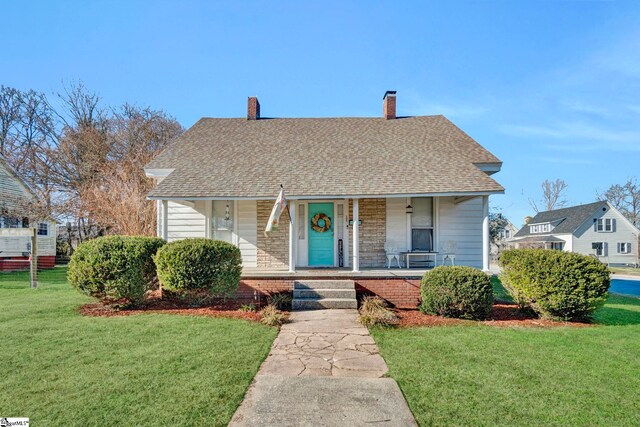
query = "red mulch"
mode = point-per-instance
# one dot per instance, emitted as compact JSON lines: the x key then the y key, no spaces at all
{"x":154,"y":304}
{"x":502,"y":315}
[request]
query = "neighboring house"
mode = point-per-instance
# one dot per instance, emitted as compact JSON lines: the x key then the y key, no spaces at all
{"x":501,"y":242}
{"x":408,"y":183}
{"x":15,"y":194}
{"x":597,"y":229}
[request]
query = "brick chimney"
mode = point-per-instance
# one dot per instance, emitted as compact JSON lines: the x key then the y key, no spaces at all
{"x":253,"y":108}
{"x":389,"y":105}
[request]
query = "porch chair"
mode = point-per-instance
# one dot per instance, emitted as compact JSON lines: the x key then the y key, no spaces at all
{"x":449,"y":252}
{"x":392,"y":253}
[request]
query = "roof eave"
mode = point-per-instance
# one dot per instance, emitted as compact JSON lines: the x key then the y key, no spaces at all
{"x":330,"y":196}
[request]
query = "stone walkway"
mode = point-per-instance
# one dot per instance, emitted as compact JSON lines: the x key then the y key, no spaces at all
{"x":323,"y":369}
{"x":324,"y":343}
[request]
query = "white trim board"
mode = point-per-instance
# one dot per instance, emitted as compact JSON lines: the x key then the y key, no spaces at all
{"x":334,"y":197}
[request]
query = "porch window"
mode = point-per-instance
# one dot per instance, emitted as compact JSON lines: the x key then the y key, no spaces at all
{"x":422,"y":224}
{"x":222,"y":220}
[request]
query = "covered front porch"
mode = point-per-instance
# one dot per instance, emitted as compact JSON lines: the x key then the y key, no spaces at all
{"x":333,"y":236}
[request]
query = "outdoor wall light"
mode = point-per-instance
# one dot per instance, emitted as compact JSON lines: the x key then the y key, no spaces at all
{"x":409,"y":209}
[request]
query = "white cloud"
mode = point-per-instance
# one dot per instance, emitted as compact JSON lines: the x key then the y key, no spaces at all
{"x":601,"y":138}
{"x":634,"y":108}
{"x":582,"y":107}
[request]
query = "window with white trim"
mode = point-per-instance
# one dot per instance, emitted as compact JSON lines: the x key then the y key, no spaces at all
{"x":43,"y":229}
{"x":557,"y":246}
{"x":222,"y":220}
{"x":422,"y":224}
{"x":624,"y":248}
{"x":598,"y":248}
{"x":604,"y":224}
{"x":302,"y":222}
{"x":540,"y":228}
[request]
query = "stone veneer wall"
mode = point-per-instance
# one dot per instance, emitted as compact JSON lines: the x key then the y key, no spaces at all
{"x":373,"y":231}
{"x":273,"y":251}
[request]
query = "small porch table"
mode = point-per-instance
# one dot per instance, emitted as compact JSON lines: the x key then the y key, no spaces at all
{"x":430,"y":257}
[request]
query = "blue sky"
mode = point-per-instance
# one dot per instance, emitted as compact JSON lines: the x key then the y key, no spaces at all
{"x":550,"y":87}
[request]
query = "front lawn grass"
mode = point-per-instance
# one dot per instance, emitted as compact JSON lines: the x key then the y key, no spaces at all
{"x":482,"y":375}
{"x":60,"y":368}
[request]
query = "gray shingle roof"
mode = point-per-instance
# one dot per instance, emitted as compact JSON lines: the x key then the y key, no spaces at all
{"x":570,"y":218}
{"x":323,"y":156}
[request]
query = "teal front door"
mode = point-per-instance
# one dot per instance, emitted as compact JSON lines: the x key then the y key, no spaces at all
{"x":320,"y":234}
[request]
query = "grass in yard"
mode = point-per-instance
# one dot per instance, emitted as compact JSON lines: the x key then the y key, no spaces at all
{"x":500,"y":294}
{"x":629,"y":271}
{"x":60,"y":368}
{"x":482,"y":375}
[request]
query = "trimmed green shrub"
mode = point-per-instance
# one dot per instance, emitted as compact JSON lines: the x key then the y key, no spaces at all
{"x":462,"y":292}
{"x":193,"y":265}
{"x":555,"y":284}
{"x":117,"y":270}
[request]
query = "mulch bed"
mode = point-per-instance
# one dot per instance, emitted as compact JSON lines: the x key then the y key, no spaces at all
{"x":155,"y":304}
{"x":502,"y":315}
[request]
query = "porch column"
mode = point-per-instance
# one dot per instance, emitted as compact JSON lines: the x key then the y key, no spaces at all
{"x":356,"y":237}
{"x":158,"y":218}
{"x":165,"y":219}
{"x":485,"y":233}
{"x":292,"y":236}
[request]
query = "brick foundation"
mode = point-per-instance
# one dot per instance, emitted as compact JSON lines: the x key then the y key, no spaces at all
{"x":400,"y":292}
{"x":23,"y":264}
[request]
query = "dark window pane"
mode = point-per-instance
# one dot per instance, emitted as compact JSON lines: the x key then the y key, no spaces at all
{"x":422,"y":239}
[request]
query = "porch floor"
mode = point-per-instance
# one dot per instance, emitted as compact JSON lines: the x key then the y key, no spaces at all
{"x":336,"y":272}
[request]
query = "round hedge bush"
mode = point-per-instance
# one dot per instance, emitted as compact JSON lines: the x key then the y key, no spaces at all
{"x":199,"y":265}
{"x":117,"y":270}
{"x":555,"y":284}
{"x":462,"y":292}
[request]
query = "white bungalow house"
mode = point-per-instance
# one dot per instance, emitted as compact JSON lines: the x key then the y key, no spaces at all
{"x":597,"y":229}
{"x":15,"y":194}
{"x":417,"y":187}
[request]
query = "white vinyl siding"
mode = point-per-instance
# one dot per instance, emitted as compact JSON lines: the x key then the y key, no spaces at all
{"x":396,"y":232}
{"x":17,"y":246}
{"x":462,"y":224}
{"x":186,"y":221}
{"x":247,"y":214}
{"x":621,"y":231}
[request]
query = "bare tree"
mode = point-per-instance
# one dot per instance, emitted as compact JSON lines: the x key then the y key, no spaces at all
{"x":10,"y":104}
{"x":85,"y":162}
{"x":117,"y":199}
{"x":625,"y":198}
{"x":553,"y":196}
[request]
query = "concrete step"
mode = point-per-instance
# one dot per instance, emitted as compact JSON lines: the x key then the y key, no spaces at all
{"x":322,"y":303}
{"x":324,"y":293}
{"x":323,"y":284}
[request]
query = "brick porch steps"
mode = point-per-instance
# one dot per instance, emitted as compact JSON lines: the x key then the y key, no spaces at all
{"x":321,"y":294}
